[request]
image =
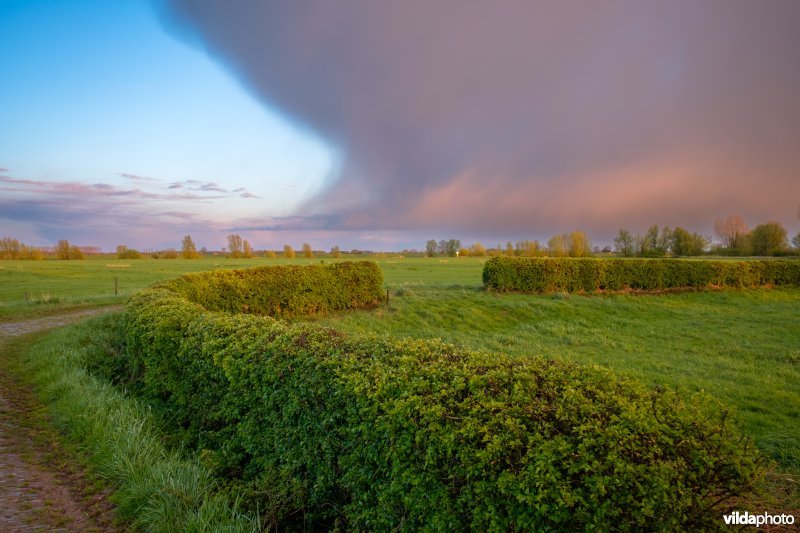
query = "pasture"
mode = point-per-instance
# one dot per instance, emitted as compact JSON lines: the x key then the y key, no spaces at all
{"x":742,"y":347}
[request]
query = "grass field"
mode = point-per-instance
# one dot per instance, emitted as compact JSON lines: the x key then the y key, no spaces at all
{"x":740,"y":346}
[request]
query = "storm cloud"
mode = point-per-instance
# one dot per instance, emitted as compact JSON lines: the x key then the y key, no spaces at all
{"x":518,"y":116}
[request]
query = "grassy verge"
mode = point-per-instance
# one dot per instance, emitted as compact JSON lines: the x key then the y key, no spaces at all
{"x":154,"y":488}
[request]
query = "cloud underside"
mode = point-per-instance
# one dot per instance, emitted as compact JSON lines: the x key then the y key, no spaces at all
{"x":518,"y":116}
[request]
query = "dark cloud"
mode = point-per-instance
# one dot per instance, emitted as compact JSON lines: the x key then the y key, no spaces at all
{"x":527,"y":116}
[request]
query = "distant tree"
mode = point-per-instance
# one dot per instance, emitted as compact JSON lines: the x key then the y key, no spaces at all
{"x":655,"y":243}
{"x":270,"y":254}
{"x":731,"y":231}
{"x":509,"y":249}
{"x":10,"y":248}
{"x":188,"y":249}
{"x":769,"y":238}
{"x":796,"y":241}
{"x":288,"y":251}
{"x":624,"y":243}
{"x":169,"y":253}
{"x":430,"y":248}
{"x":123,"y":252}
{"x":307,"y":251}
{"x":640,"y":245}
{"x":527,"y":248}
{"x":335,"y":252}
{"x":441,"y":248}
{"x":689,"y":244}
{"x":452,"y":247}
{"x":477,"y":250}
{"x":578,"y":244}
{"x":557,"y":246}
{"x":75,"y":253}
{"x":234,"y":245}
{"x":247,"y":250}
{"x":664,"y":241}
{"x":29,"y":252}
{"x":62,"y":249}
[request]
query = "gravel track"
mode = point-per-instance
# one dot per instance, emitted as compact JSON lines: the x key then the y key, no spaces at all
{"x":40,"y":490}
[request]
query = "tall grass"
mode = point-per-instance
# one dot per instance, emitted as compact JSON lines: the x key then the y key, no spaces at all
{"x":156,"y":489}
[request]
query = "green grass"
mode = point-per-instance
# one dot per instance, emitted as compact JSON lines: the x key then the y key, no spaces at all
{"x":155,"y":489}
{"x":36,"y":288}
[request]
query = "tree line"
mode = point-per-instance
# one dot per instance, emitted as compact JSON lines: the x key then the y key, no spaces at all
{"x":735,"y":239}
{"x":575,"y":244}
{"x":14,"y":249}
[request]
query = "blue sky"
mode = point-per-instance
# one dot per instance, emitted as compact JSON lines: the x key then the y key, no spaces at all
{"x":96,"y":94}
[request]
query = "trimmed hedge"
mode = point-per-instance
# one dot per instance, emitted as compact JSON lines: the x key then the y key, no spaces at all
{"x":328,"y":430}
{"x":284,"y":290}
{"x":542,"y":275}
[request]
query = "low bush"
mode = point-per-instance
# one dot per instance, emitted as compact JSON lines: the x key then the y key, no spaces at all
{"x":527,"y":274}
{"x":326,"y":430}
{"x":284,"y":290}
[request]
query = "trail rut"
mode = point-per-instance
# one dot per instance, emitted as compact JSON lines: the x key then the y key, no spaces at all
{"x":41,"y":488}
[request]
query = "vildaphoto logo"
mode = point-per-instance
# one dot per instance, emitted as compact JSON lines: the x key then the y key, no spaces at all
{"x":747,"y":519}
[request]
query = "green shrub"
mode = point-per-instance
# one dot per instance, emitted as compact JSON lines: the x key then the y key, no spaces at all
{"x":526,"y":274}
{"x":329,"y":430}
{"x":284,"y":290}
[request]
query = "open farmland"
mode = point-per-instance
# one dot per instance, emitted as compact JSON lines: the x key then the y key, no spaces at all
{"x":740,"y":346}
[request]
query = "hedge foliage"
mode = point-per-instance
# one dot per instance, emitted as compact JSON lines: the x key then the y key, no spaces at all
{"x":284,"y":290}
{"x":329,"y":430}
{"x":542,"y":275}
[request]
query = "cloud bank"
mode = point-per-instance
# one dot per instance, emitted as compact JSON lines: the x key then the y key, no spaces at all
{"x":518,"y":117}
{"x":154,"y":213}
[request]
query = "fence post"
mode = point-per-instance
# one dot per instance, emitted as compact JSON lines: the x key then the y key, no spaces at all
{"x":116,"y":285}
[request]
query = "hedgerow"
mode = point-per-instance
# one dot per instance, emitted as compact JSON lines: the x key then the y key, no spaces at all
{"x":542,"y":275}
{"x":284,"y":290}
{"x":331,"y":430}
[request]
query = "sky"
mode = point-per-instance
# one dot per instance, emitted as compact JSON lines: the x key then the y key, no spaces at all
{"x":379,"y":125}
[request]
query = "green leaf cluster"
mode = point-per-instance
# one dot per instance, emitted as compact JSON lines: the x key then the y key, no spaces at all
{"x":286,"y":291}
{"x":327,"y":430}
{"x":544,"y":275}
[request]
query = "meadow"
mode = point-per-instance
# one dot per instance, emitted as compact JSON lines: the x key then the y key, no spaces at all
{"x":742,"y":347}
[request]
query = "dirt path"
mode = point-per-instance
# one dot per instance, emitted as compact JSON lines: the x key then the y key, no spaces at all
{"x":41,"y":487}
{"x":13,"y":329}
